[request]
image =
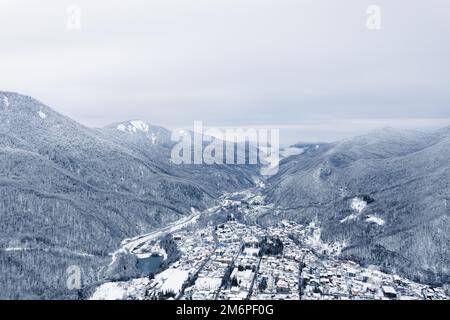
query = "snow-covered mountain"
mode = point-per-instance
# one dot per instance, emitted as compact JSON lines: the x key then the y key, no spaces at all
{"x":69,"y":194}
{"x":385,"y":193}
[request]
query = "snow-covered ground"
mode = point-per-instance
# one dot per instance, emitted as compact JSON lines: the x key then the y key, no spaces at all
{"x":291,"y":151}
{"x":42,"y":115}
{"x":171,"y":280}
{"x":358,"y":205}
{"x":375,"y":219}
{"x":121,"y":290}
{"x":109,"y":291}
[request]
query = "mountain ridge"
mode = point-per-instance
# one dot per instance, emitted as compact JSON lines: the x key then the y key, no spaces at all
{"x":65,"y":185}
{"x":403,"y":179}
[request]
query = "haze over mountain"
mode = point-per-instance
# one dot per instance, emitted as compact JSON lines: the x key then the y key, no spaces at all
{"x":312,"y":68}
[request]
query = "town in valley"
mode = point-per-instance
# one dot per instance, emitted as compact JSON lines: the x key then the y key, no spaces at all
{"x":238,"y":259}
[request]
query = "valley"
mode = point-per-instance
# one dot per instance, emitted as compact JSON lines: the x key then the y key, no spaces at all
{"x":235,"y":258}
{"x":105,"y":198}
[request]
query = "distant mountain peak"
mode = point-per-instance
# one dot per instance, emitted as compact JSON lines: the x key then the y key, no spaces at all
{"x":134,"y":126}
{"x":139,"y":131}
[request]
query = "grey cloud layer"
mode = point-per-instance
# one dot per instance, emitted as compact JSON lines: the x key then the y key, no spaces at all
{"x":306,"y":64}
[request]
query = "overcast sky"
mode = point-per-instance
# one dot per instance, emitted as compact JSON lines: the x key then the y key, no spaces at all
{"x":310,"y":67}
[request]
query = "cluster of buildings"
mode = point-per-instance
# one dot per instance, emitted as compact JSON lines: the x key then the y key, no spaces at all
{"x":343,"y":280}
{"x":231,"y":262}
{"x":197,"y":246}
{"x":305,"y":269}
